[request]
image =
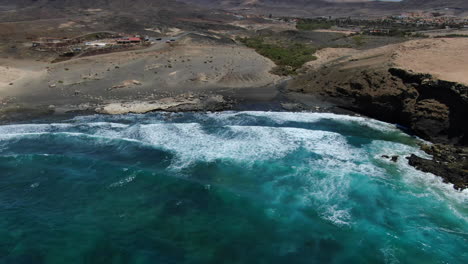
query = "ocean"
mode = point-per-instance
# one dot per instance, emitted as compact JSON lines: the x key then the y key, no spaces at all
{"x":229,"y":187}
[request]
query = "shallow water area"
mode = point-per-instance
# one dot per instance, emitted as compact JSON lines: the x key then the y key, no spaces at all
{"x":229,"y":187}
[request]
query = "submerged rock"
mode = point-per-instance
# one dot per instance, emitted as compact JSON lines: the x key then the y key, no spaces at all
{"x":392,"y":158}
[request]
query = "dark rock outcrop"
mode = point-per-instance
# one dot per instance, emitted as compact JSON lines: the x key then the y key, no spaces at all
{"x":448,"y":161}
{"x":440,"y":110}
{"x":430,"y":118}
{"x":432,"y":109}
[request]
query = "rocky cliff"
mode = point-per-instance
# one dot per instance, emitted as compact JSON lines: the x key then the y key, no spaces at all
{"x":432,"y":109}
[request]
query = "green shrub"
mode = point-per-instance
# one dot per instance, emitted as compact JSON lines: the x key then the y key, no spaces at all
{"x":419,"y":35}
{"x":313,"y":24}
{"x":453,"y":36}
{"x":288,"y":58}
{"x":358,"y":40}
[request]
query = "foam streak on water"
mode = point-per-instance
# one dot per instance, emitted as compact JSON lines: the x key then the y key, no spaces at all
{"x":232,"y":187}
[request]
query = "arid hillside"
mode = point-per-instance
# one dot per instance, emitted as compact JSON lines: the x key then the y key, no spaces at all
{"x":400,"y":83}
{"x":283,"y":7}
{"x":338,"y":7}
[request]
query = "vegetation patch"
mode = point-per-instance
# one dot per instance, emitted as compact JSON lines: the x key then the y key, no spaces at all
{"x":97,"y":35}
{"x":358,"y":40}
{"x":453,"y":36}
{"x":313,"y":24}
{"x":288,"y":58}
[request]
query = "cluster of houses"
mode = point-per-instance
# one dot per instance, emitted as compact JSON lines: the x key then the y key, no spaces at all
{"x":48,"y":43}
{"x":398,"y":25}
{"x":430,"y":19}
{"x":119,"y":41}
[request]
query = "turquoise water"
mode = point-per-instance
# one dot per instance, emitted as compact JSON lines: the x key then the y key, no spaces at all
{"x":233,"y":187}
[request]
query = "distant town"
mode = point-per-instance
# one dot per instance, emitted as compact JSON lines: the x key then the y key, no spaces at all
{"x":94,"y":44}
{"x":412,"y":24}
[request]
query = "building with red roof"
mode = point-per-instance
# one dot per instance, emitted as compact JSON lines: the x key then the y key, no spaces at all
{"x":129,"y":40}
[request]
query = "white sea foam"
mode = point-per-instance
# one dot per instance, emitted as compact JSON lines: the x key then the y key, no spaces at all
{"x":191,"y":143}
{"x":335,"y":215}
{"x":106,"y":124}
{"x":304,"y":117}
{"x":239,"y":141}
{"x":329,"y":193}
{"x":21,"y":135}
{"x":389,"y":255}
{"x":243,"y":143}
{"x":31,"y":128}
{"x":430,"y":184}
{"x":124,"y":181}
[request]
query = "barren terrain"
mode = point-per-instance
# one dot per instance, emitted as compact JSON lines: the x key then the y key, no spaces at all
{"x":196,"y":58}
{"x":163,"y":70}
{"x":444,"y":58}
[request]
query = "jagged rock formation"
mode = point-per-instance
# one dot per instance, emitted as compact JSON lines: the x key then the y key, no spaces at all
{"x":448,"y":161}
{"x":439,"y":111}
{"x":433,"y":109}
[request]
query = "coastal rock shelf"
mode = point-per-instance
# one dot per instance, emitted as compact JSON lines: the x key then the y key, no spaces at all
{"x":433,"y":109}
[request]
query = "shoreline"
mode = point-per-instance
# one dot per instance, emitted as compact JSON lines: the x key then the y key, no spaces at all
{"x":198,"y":74}
{"x":272,"y":98}
{"x":440,"y":165}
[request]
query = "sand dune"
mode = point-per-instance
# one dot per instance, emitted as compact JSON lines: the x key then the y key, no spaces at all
{"x":445,"y":58}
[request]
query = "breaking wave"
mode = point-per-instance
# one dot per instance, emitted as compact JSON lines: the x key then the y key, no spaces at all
{"x":306,"y":182}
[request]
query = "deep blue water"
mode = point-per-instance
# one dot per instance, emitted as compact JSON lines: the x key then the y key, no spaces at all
{"x":246,"y":187}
